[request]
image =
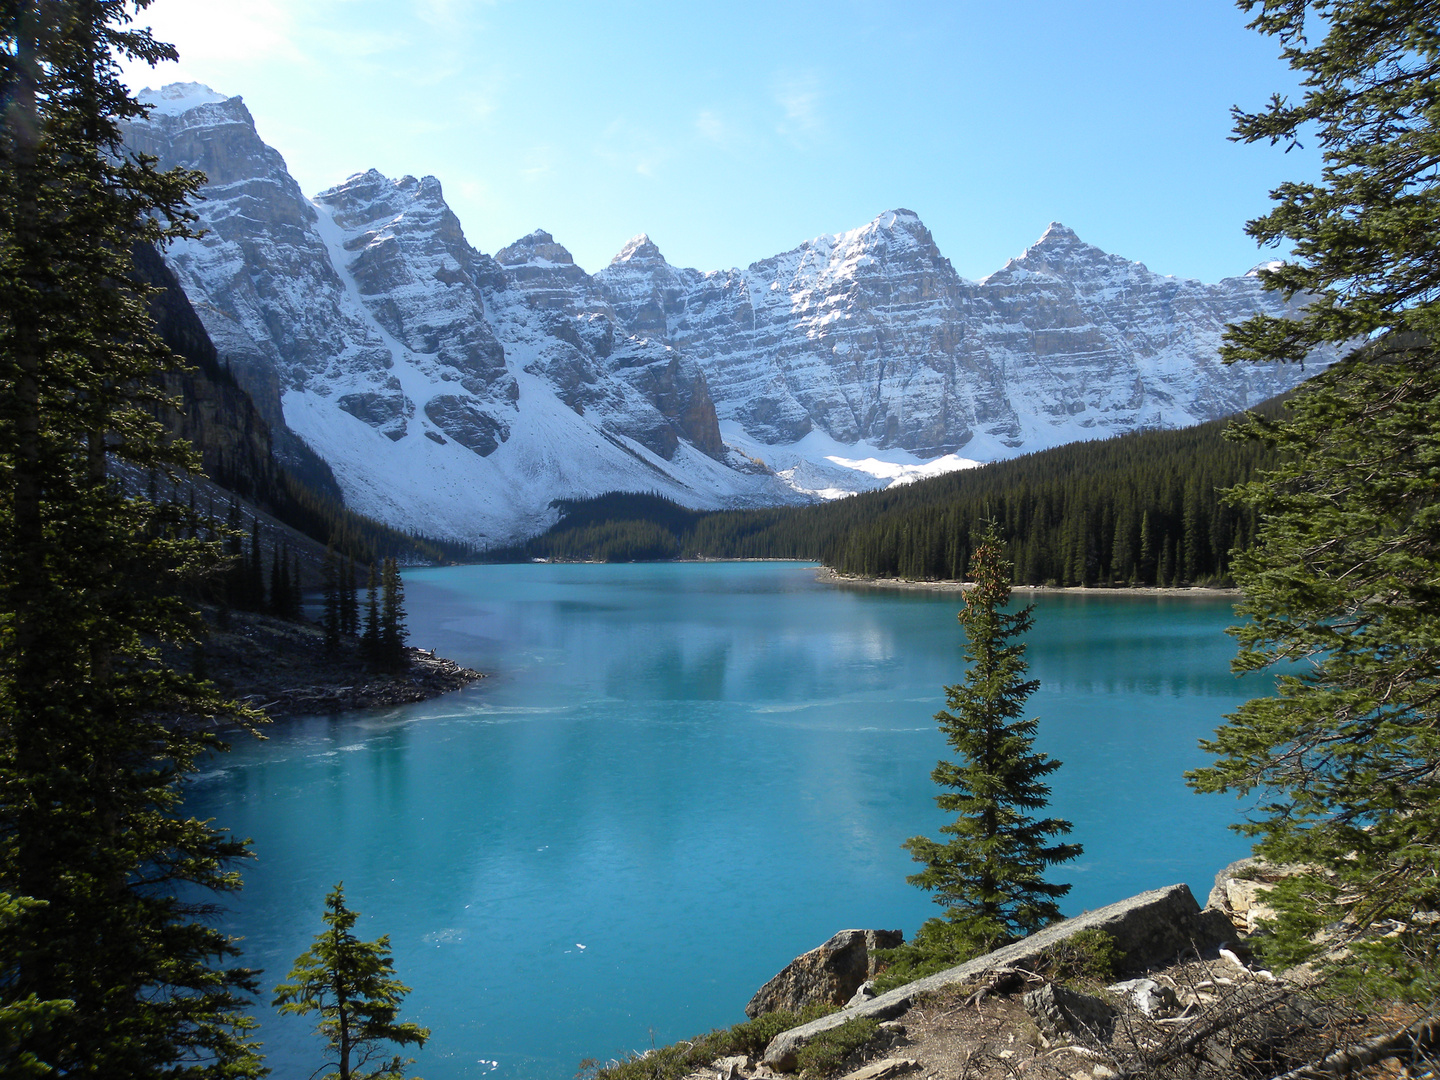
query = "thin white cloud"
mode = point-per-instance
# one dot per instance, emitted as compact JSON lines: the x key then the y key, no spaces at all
{"x":538,"y":161}
{"x":800,"y":99}
{"x":476,"y":191}
{"x":712,"y":126}
{"x":632,"y":148}
{"x":211,"y":32}
{"x":800,"y":108}
{"x":451,"y":16}
{"x":358,"y":44}
{"x":218,"y":38}
{"x":475,"y":105}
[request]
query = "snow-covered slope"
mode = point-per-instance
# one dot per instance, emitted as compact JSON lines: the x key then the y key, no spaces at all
{"x":458,"y":394}
{"x":871,"y":335}
{"x":449,"y":395}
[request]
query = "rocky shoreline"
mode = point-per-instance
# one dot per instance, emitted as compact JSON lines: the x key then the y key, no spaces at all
{"x":828,"y":576}
{"x":283,"y":669}
{"x":1182,"y":997}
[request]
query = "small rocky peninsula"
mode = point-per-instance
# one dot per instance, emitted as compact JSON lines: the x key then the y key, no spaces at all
{"x":283,"y":669}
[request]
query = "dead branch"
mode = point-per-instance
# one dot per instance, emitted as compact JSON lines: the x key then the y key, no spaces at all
{"x":1407,"y":1044}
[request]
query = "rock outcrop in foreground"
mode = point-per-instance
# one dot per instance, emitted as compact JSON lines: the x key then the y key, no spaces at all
{"x":828,"y":975}
{"x":1152,"y":928}
{"x":1194,"y":1008}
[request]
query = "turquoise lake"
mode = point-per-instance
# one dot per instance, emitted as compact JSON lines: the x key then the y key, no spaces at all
{"x":679,"y":777}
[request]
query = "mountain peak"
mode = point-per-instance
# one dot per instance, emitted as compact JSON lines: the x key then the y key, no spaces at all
{"x":899,"y":216}
{"x":1060,"y":253}
{"x":639,"y":250}
{"x":369,"y":179}
{"x":539,"y":247}
{"x":179,"y":97}
{"x":897,"y":231}
{"x":1060,"y":249}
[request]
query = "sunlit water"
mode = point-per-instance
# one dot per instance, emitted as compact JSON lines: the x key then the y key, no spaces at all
{"x":679,"y":777}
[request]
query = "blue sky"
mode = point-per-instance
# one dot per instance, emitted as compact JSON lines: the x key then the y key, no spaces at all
{"x":733,"y":131}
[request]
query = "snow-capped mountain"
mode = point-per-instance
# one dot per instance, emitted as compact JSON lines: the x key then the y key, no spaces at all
{"x":451,"y":393}
{"x":458,"y":394}
{"x":871,"y":335}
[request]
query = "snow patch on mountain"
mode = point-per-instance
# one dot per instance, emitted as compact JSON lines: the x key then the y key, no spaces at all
{"x":460,"y":394}
{"x":176,"y":98}
{"x":819,"y":466}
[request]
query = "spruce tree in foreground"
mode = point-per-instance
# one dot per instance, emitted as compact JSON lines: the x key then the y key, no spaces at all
{"x":989,"y":876}
{"x":1342,"y":590}
{"x":351,"y":984}
{"x":20,"y":1018}
{"x":108,"y":875}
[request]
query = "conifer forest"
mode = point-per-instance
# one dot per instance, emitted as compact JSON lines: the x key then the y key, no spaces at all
{"x":1142,"y":509}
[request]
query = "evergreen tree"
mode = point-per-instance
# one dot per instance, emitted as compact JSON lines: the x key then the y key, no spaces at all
{"x":237,"y":567}
{"x":350,"y":601}
{"x":370,"y":639}
{"x":20,"y":1017}
{"x":279,"y":585}
{"x":1343,"y":586}
{"x":331,"y":615}
{"x":351,"y":984}
{"x":392,"y":616}
{"x":94,"y":836}
{"x":990,"y":876}
{"x":255,"y":597}
{"x":297,"y":594}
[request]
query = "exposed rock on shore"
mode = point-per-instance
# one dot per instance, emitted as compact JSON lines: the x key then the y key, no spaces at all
{"x":827,"y":975}
{"x":1199,"y":1011}
{"x":1149,"y":929}
{"x":283,"y":669}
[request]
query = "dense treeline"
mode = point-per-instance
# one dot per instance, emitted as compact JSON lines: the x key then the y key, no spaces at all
{"x":1143,"y":509}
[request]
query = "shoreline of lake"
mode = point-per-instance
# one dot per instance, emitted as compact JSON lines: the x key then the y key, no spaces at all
{"x":284,"y":669}
{"x":828,"y":576}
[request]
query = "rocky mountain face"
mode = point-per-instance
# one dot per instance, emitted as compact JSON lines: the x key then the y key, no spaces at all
{"x":552,"y":310}
{"x":452,"y":393}
{"x":215,"y":416}
{"x":871,"y":336}
{"x":458,"y":394}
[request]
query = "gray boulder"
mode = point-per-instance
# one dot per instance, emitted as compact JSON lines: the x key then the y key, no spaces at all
{"x":1148,"y":996}
{"x":884,"y":1069}
{"x":865,"y":992}
{"x":1151,"y":928}
{"x":830,"y":974}
{"x":1062,"y":1014}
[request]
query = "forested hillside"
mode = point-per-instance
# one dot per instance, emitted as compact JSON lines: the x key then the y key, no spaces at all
{"x":1137,"y":509}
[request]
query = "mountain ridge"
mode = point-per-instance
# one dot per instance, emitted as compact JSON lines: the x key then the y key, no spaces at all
{"x":461,"y":393}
